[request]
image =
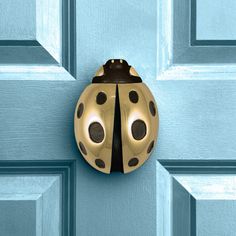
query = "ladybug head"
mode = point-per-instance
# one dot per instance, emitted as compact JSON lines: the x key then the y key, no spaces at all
{"x":116,"y":71}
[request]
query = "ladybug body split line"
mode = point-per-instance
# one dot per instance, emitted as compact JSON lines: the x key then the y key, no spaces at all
{"x":116,"y":119}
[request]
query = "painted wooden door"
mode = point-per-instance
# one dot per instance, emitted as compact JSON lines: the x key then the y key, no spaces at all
{"x":184,"y":51}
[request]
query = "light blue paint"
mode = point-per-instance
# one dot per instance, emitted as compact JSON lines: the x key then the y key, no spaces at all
{"x":52,"y":43}
{"x":216,"y":20}
{"x":163,"y":201}
{"x":199,"y":197}
{"x":49,"y":27}
{"x":180,"y":56}
{"x":214,"y":204}
{"x":19,"y":217}
{"x":116,"y":29}
{"x":35,"y":72}
{"x":197,"y":117}
{"x":25,"y":56}
{"x":197,"y":122}
{"x":18,"y":20}
{"x":28,"y":204}
{"x":216,"y":218}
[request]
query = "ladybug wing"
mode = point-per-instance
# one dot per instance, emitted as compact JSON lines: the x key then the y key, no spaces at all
{"x":94,"y":121}
{"x":139,"y":124}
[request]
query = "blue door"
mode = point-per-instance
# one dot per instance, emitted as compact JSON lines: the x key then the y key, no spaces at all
{"x":185,"y":52}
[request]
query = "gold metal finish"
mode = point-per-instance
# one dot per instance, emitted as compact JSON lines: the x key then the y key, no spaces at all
{"x":93,"y":112}
{"x":100,"y":71}
{"x":129,"y":113}
{"x":134,"y":128}
{"x":133,"y":72}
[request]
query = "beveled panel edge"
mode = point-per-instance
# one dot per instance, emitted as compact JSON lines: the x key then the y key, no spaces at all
{"x":69,"y":36}
{"x":168,"y":67}
{"x":193,"y":216}
{"x":199,"y":166}
{"x":164,"y":204}
{"x":165,"y":200}
{"x":19,"y":43}
{"x":66,"y":169}
{"x":164,"y":35}
{"x":193,"y":22}
{"x":35,"y":72}
{"x":18,"y":196}
{"x":67,"y":67}
{"x":199,"y":72}
{"x":213,"y":42}
{"x":168,"y":172}
{"x":184,"y":223}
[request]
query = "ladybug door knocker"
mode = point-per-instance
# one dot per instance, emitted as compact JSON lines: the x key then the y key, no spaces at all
{"x":116,"y":119}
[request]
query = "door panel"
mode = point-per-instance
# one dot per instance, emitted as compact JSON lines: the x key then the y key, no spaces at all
{"x":183,"y":55}
{"x":196,"y":153}
{"x":37,"y":197}
{"x":22,"y":24}
{"x":200,"y":197}
{"x":38,"y":39}
{"x":215,"y":21}
{"x":30,"y":209}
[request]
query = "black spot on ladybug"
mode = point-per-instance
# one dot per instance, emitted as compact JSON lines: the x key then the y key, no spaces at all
{"x":133,"y":96}
{"x":138,"y":129}
{"x":152,"y":108}
{"x":82,"y":148}
{"x":96,"y":132}
{"x":80,"y":110}
{"x":101,"y":98}
{"x":150,"y":147}
{"x":100,"y":163}
{"x":133,"y":162}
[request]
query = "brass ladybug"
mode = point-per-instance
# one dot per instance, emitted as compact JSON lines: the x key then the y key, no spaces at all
{"x":116,"y":119}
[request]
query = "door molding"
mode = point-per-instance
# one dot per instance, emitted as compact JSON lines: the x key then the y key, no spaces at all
{"x":182,"y":185}
{"x":180,"y":56}
{"x":49,"y":51}
{"x":50,"y":184}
